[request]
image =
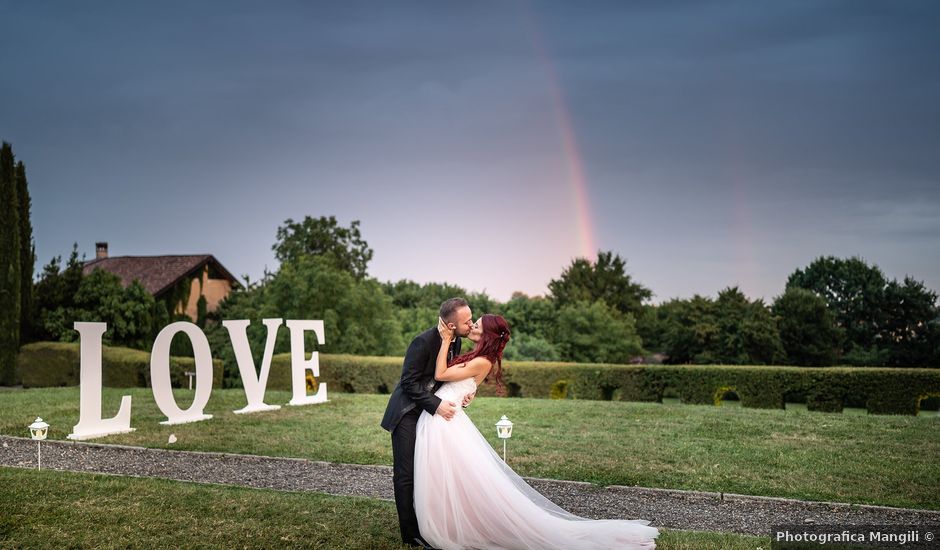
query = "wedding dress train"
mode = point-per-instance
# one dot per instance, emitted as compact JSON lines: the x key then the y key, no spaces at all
{"x":467,"y":497}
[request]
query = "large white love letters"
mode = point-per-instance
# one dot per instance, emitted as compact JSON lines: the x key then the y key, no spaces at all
{"x":299,"y":362}
{"x":160,"y":374}
{"x":253,"y":383}
{"x":91,"y":425}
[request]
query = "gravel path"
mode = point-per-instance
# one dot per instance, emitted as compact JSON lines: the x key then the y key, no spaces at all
{"x":691,"y":510}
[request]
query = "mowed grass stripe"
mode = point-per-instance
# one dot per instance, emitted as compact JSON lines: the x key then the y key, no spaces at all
{"x":870,"y":459}
{"x":57,"y":509}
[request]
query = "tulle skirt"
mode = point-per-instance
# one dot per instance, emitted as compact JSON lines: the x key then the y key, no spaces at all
{"x":467,"y":497}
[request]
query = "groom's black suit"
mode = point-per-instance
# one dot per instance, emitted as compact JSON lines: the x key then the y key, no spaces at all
{"x":414,"y":393}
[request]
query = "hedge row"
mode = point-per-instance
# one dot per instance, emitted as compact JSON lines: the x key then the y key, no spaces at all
{"x":879,"y":390}
{"x":45,"y":364}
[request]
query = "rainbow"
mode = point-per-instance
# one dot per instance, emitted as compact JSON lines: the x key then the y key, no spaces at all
{"x":572,"y":153}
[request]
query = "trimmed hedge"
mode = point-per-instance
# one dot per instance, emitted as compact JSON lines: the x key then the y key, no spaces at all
{"x":829,"y":389}
{"x":343,"y":373}
{"x":44,"y":364}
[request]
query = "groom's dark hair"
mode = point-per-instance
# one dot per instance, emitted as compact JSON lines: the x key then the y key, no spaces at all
{"x":449,"y":307}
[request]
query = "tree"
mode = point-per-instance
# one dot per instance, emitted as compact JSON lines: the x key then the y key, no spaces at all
{"x":27,"y":255}
{"x":651,"y":325}
{"x":528,"y":347}
{"x":910,"y":330}
{"x":324,"y":237}
{"x":692,"y":330}
{"x":358,"y":316}
{"x":361,"y":315}
{"x":729,"y":330}
{"x":409,"y":294}
{"x":747,"y":331}
{"x":101,"y":298}
{"x":594,"y":332}
{"x":605,"y":279}
{"x":54,"y":291}
{"x":10,"y":269}
{"x":242,"y":303}
{"x":532,"y":316}
{"x":201,"y":311}
{"x":884,"y":322}
{"x":855,"y":293}
{"x":133,"y":317}
{"x":808,"y":330}
{"x":417,"y":306}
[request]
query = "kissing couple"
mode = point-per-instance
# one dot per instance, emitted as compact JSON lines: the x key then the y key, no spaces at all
{"x":452,"y":490}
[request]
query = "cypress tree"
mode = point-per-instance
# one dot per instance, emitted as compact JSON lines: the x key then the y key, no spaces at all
{"x":201,"y":311}
{"x":9,"y":268}
{"x":27,"y":256}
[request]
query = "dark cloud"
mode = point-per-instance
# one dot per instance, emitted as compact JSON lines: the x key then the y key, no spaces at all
{"x":723,"y":135}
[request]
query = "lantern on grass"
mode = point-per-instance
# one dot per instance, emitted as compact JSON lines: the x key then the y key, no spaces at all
{"x":38,"y":430}
{"x":504,"y":431}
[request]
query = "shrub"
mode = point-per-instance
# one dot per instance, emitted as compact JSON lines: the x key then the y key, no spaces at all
{"x":46,"y":364}
{"x":880,"y":390}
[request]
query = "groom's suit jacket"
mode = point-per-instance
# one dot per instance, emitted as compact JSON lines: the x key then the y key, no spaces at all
{"x":417,"y":385}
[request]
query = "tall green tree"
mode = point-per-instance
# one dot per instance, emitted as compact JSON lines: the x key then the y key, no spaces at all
{"x":691,"y":330}
{"x":593,"y":332}
{"x":359,"y":318}
{"x":808,"y":330}
{"x":529,"y":347}
{"x":911,"y":329}
{"x":606,"y":279}
{"x":885,"y":322}
{"x":409,"y":294}
{"x":101,"y":297}
{"x":324,"y":237}
{"x":416,"y":305}
{"x":55,"y":290}
{"x":10,"y":271}
{"x":202,"y":311}
{"x":855,"y":292}
{"x":651,"y":325}
{"x":27,"y":256}
{"x":747,"y":331}
{"x":533,"y":316}
{"x":246,"y":302}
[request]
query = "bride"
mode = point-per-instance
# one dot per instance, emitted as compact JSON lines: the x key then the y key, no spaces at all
{"x":465,"y":496}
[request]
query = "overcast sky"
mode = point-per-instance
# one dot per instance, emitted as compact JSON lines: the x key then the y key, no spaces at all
{"x":487,"y":144}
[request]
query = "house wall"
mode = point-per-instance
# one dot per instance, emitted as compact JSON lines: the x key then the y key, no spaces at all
{"x":215,"y":290}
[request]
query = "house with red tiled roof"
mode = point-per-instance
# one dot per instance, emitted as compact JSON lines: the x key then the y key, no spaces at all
{"x":178,"y":280}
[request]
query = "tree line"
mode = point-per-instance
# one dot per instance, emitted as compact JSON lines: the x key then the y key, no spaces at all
{"x":833,"y":311}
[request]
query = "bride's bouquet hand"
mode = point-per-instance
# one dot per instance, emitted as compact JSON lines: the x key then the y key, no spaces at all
{"x":447,"y":334}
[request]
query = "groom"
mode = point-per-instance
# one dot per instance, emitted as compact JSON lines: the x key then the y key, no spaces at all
{"x":413,"y":394}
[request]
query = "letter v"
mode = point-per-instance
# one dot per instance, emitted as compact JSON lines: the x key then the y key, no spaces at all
{"x":253,"y":382}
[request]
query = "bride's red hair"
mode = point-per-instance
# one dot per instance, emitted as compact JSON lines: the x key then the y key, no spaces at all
{"x":492,"y":342}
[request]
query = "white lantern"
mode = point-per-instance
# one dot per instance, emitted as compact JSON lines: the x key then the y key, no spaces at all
{"x":504,"y":428}
{"x":504,"y":431}
{"x":38,"y":430}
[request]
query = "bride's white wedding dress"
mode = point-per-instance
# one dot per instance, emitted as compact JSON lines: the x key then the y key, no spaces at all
{"x":467,"y":497}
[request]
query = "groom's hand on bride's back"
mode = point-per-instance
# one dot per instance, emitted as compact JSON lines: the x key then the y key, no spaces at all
{"x":447,"y":409}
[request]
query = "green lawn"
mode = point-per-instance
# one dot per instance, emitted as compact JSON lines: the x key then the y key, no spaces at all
{"x":58,"y":509}
{"x":873,"y":459}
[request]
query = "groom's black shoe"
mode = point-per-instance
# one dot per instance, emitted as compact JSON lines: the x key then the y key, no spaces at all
{"x":420,"y":542}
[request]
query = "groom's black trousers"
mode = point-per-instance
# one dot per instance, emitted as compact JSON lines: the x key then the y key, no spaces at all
{"x":403,"y":470}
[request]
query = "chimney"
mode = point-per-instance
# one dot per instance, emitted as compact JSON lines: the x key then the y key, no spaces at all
{"x":101,"y":251}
